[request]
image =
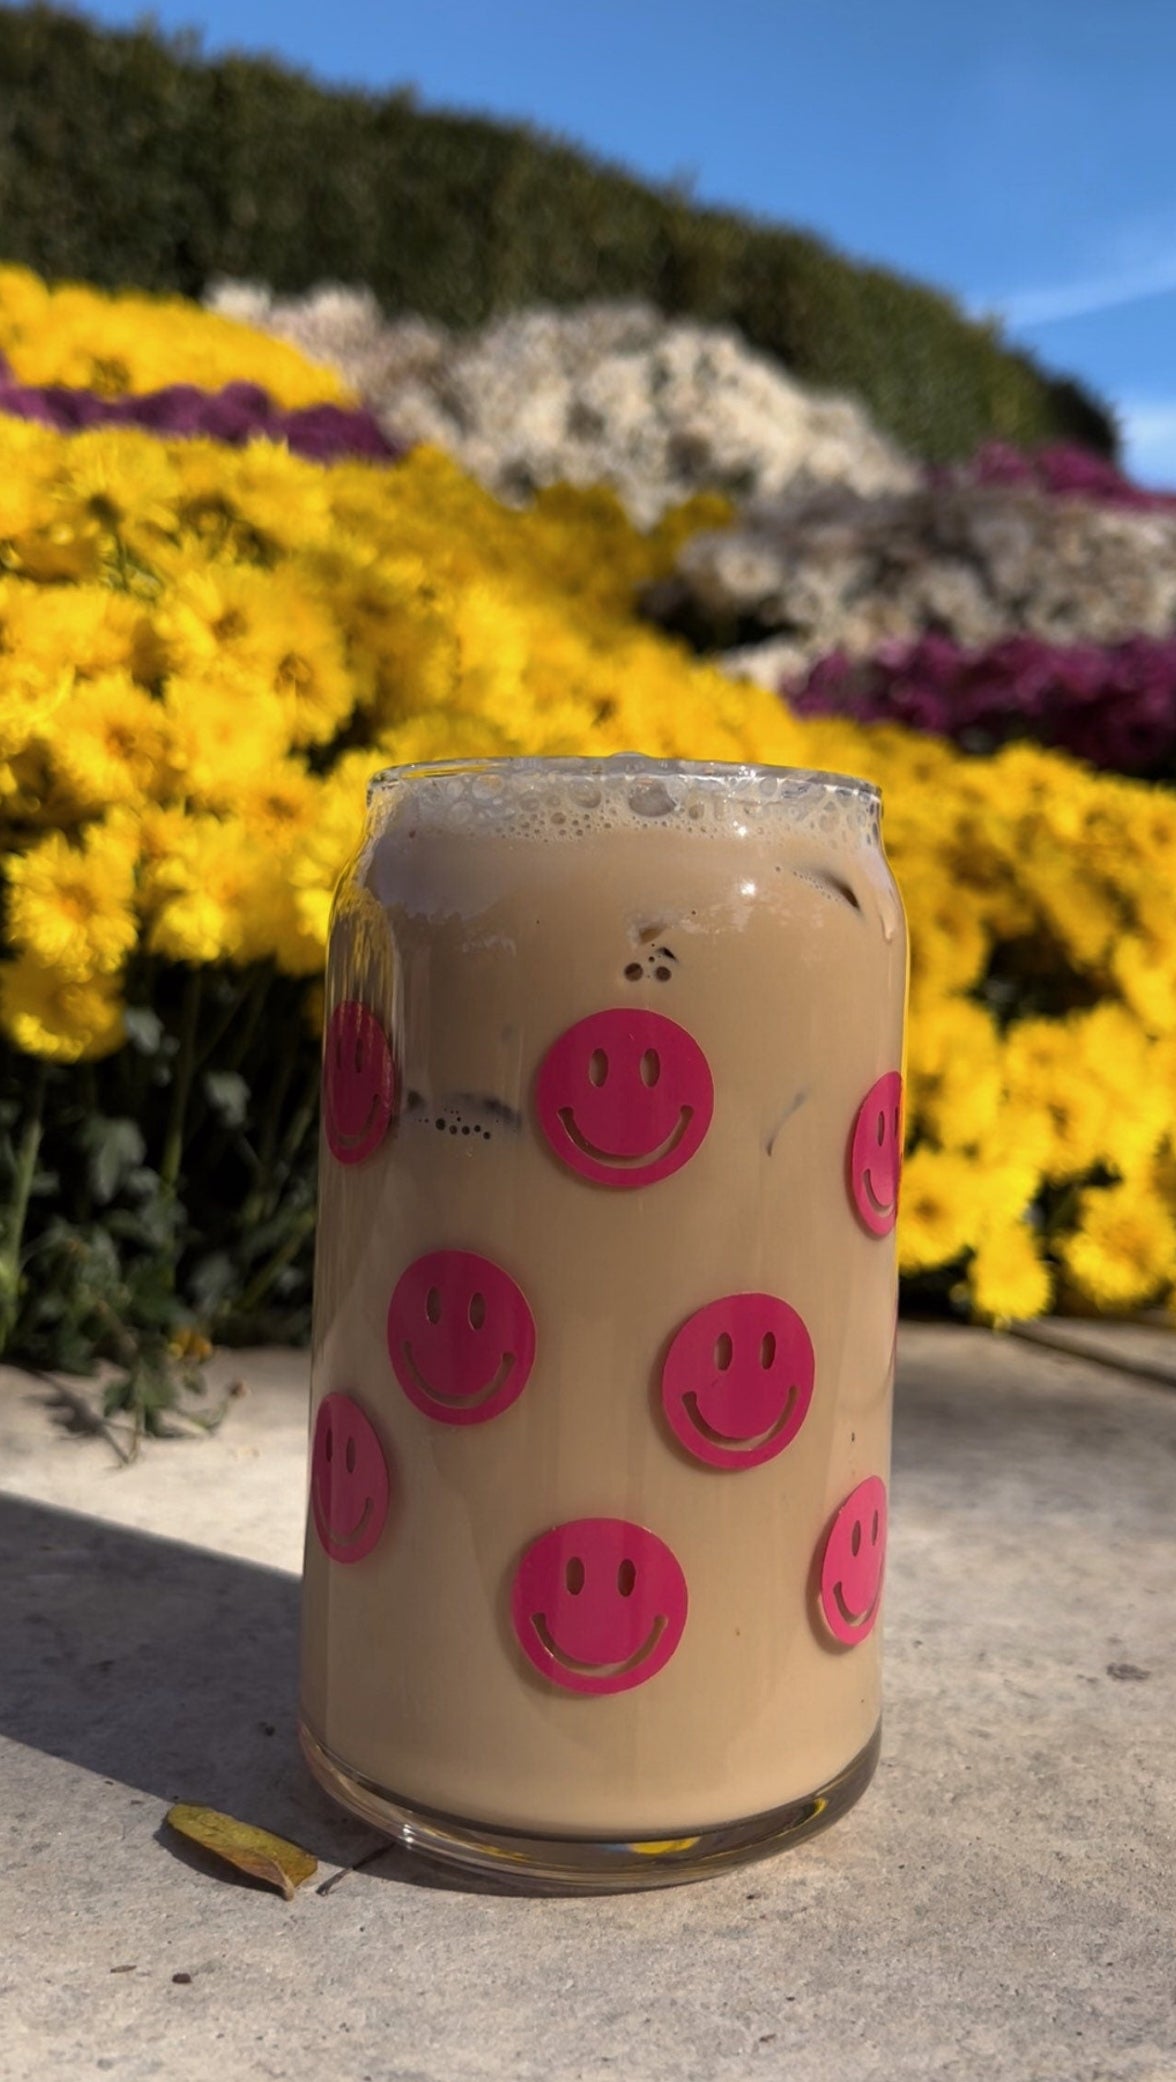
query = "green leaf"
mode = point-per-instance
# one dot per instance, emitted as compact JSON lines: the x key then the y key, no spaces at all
{"x":142,"y":1183}
{"x":118,"y":1396}
{"x":144,"y":1028}
{"x":228,"y":1095}
{"x":114,"y":1148}
{"x":153,"y":1224}
{"x":211,"y":1279}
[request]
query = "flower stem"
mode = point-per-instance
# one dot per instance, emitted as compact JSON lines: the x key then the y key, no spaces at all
{"x":260,"y":1201}
{"x":173,"y":1145}
{"x":264,"y":1278}
{"x":22,"y":1185}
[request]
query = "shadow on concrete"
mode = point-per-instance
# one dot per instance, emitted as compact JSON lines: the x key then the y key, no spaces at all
{"x":174,"y":1671}
{"x":160,"y":1666}
{"x":987,"y":1419}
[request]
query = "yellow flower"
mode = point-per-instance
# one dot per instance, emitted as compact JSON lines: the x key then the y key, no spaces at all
{"x":108,"y":742}
{"x":24,"y":304}
{"x":63,"y":543}
{"x":213,"y":890}
{"x":31,"y":457}
{"x":1083,"y":916}
{"x":956,"y":1085}
{"x":67,"y":1019}
{"x":225,"y":733}
{"x":936,"y":1210}
{"x":72,"y":905}
{"x":1013,"y":1159}
{"x":1044,"y":1071}
{"x":1145,"y":970}
{"x":189,"y":1343}
{"x":948,"y":933}
{"x":279,"y":800}
{"x":1124,"y":1249}
{"x":31,"y":695}
{"x":88,"y":627}
{"x":330,"y":839}
{"x":246,"y":615}
{"x":261,"y":493}
{"x":262,"y":626}
{"x":231,"y":507}
{"x":125,"y":480}
{"x":1127,"y":1066}
{"x":114,"y":344}
{"x":1008,"y":1279}
{"x":443,"y":736}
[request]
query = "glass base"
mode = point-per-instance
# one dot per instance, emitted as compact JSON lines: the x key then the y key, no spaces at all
{"x":585,"y":1865}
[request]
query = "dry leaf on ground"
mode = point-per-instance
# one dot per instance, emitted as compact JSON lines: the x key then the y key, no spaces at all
{"x":255,"y":1851}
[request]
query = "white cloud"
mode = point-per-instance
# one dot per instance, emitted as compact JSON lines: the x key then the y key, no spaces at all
{"x":1026,"y":308}
{"x":1124,"y":263}
{"x":1148,"y":427}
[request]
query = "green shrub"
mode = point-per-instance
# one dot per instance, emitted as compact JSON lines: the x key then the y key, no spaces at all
{"x":127,"y":160}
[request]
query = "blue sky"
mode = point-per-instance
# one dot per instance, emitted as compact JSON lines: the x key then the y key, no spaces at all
{"x":1018,"y":153}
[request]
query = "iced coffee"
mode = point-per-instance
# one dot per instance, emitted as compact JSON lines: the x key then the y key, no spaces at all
{"x":604,"y":1313}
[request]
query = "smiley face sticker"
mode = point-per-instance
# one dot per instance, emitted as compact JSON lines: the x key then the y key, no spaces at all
{"x":738,"y":1380}
{"x":875,"y":1155}
{"x":348,"y":1480}
{"x":853,"y":1562}
{"x":598,"y":1605}
{"x":624,"y":1097}
{"x":359,"y":1082}
{"x":461,"y":1337}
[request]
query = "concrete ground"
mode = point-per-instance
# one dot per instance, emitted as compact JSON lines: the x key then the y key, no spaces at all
{"x":1002,"y":1903}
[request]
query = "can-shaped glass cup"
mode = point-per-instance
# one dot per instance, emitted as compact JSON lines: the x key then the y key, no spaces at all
{"x":604,"y":1322}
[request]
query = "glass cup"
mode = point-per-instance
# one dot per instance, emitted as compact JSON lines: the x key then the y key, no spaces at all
{"x":605,"y":1314}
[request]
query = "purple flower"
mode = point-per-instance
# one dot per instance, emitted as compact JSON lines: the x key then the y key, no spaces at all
{"x":325,"y":431}
{"x":1063,"y":469}
{"x":250,"y":398}
{"x":1113,"y":705}
{"x":176,"y":410}
{"x":238,"y":413}
{"x":235,"y":422}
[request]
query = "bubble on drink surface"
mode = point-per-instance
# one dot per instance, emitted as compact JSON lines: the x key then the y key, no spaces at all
{"x":651,"y":799}
{"x":560,"y":799}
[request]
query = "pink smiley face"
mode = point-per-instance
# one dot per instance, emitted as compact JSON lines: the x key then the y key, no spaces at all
{"x":348,"y":1480}
{"x":624,"y":1097}
{"x":461,"y":1337}
{"x":875,"y":1155}
{"x":852,"y":1564}
{"x":598,"y":1605}
{"x":359,"y":1082}
{"x":738,"y":1380}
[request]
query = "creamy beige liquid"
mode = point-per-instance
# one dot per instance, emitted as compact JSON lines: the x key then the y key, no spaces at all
{"x":477,"y":944}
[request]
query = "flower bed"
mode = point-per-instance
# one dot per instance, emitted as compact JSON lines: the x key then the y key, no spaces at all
{"x":1111,"y":704}
{"x":83,"y":339}
{"x":1061,"y":468}
{"x":236,"y":414}
{"x":206,"y":651}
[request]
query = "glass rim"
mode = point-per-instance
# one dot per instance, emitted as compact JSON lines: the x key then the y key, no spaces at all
{"x":619,"y":766}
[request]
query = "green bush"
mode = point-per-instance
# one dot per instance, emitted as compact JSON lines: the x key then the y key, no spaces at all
{"x":127,"y":160}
